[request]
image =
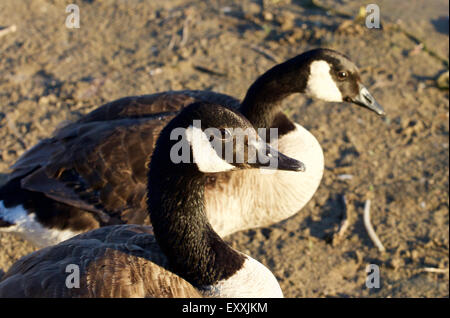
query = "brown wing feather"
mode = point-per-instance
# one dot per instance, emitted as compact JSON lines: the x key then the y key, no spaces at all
{"x":141,"y":106}
{"x":102,"y":167}
{"x":114,"y":261}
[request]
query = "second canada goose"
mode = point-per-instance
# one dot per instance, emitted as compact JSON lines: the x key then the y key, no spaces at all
{"x":92,"y":172}
{"x":183,"y":257}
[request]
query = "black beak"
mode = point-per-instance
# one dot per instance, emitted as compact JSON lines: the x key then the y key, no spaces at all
{"x":267,"y":157}
{"x":365,"y":99}
{"x":289,"y":164}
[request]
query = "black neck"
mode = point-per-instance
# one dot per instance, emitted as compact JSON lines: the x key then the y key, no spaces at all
{"x":263,"y":100}
{"x":176,"y":203}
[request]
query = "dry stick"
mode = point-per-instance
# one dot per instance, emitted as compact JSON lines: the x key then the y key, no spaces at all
{"x":265,"y":53}
{"x":13,"y":128}
{"x":373,"y":236}
{"x":185,"y":32}
{"x":10,"y":29}
{"x":208,"y":71}
{"x":435,"y":270}
{"x":172,"y":42}
{"x":345,"y":223}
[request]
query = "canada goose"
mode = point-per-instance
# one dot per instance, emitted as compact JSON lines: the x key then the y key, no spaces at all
{"x":183,"y":257}
{"x":92,"y":172}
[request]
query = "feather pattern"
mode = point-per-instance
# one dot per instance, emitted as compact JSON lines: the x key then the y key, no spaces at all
{"x":113,"y":261}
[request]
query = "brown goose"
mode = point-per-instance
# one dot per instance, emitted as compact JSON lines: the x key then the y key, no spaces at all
{"x":183,"y":257}
{"x":92,"y":172}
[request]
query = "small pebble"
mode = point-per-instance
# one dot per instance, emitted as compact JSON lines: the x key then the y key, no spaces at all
{"x":268,"y":16}
{"x":396,"y":262}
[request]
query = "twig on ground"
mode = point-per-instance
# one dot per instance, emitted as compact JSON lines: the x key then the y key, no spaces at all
{"x":435,"y":270}
{"x":373,"y":236}
{"x":345,"y":223}
{"x":265,"y":53}
{"x":13,"y":128}
{"x":10,"y":29}
{"x":185,"y":31}
{"x":344,"y":177}
{"x":171,"y":44}
{"x":208,"y":71}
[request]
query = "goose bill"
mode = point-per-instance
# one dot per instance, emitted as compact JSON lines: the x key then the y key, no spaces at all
{"x":269,"y":158}
{"x":365,"y":99}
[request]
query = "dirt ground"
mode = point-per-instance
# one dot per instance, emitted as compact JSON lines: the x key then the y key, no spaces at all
{"x":50,"y":74}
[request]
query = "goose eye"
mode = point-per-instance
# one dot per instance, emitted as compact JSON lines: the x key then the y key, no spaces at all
{"x":221,"y":134}
{"x":225,"y":134}
{"x":342,"y":75}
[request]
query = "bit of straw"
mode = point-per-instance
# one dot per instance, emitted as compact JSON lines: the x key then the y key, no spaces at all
{"x":435,"y":270}
{"x":15,"y":132}
{"x":185,"y":31}
{"x":373,"y":236}
{"x":345,"y":220}
{"x":266,"y":53}
{"x":208,"y":71}
{"x":10,"y":29}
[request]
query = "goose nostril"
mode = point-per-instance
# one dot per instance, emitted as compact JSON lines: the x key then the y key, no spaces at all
{"x":368,"y":99}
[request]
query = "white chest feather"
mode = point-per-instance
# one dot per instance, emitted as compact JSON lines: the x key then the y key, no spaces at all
{"x":248,"y":198}
{"x":29,"y":228}
{"x":253,"y":280}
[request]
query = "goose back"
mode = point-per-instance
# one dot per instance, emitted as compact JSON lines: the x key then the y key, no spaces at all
{"x":113,"y":261}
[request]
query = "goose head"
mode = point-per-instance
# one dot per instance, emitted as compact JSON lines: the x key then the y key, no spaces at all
{"x":193,"y":145}
{"x":218,"y":139}
{"x":332,"y":77}
{"x":321,"y":74}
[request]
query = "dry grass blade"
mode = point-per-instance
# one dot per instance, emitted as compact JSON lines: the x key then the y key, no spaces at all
{"x":268,"y":55}
{"x":345,"y":223}
{"x":208,"y":71}
{"x":7,"y":30}
{"x":14,"y":131}
{"x":435,"y":270}
{"x":370,"y":231}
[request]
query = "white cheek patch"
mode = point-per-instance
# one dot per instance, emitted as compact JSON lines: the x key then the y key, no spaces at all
{"x":204,"y":154}
{"x":320,"y":83}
